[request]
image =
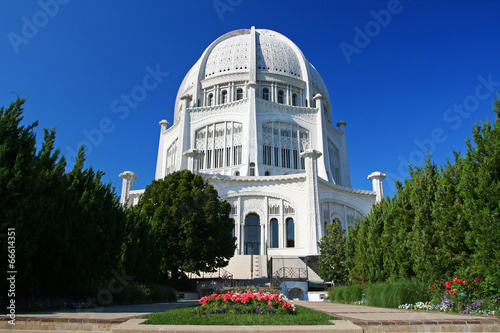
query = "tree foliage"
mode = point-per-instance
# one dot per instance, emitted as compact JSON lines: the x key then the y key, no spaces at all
{"x":67,"y":224}
{"x":192,"y":226}
{"x":333,"y":254}
{"x":442,"y":221}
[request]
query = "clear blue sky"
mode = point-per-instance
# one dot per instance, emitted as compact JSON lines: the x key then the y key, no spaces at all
{"x":418,"y":75}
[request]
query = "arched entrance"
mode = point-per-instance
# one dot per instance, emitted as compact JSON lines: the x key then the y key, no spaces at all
{"x":252,"y":234}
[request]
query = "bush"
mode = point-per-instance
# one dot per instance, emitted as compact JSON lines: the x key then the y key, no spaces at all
{"x":161,"y":293}
{"x":132,"y":293}
{"x":346,"y":294}
{"x":391,"y":295}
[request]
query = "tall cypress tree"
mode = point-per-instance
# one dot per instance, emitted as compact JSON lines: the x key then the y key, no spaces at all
{"x":332,"y":266}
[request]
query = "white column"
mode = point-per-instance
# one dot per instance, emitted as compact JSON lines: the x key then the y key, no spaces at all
{"x":377,"y":182}
{"x":193,"y":160}
{"x":312,"y":193}
{"x":127,"y":183}
{"x":161,"y":159}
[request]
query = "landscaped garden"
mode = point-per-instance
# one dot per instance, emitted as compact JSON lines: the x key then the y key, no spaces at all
{"x":456,"y":296}
{"x":432,"y":246}
{"x":237,"y":309}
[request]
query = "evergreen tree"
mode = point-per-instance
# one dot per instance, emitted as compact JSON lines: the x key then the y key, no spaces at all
{"x":332,"y":266}
{"x":480,"y":191}
{"x":442,"y":222}
{"x":68,"y":225}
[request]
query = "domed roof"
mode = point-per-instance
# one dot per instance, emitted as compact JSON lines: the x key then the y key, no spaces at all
{"x":236,"y":52}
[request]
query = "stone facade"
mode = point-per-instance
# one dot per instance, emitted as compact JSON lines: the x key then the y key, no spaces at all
{"x":254,"y":118}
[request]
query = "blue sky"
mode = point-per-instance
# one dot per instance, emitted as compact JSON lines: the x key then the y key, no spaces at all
{"x":405,"y":75}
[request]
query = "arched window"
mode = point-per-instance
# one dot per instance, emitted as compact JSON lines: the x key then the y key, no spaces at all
{"x":239,"y":94}
{"x":267,"y":173}
{"x":294,"y":99}
{"x":334,"y":156}
{"x":265,"y":94}
{"x":281,"y":96}
{"x":210,"y":99}
{"x":274,"y":233}
{"x":282,"y":144}
{"x":223,"y":99}
{"x":252,"y":234}
{"x":290,"y":233}
{"x":221,"y":143}
{"x":237,"y":173}
{"x":252,"y":169}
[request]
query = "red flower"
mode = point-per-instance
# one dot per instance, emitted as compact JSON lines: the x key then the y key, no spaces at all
{"x":479,"y":279}
{"x":464,"y":282}
{"x":433,"y":287}
{"x":447,"y":284}
{"x":453,"y":292}
{"x":497,"y":262}
{"x":439,"y":281}
{"x":456,"y":280}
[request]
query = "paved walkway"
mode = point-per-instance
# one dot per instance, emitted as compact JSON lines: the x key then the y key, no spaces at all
{"x":367,"y":319}
{"x":368,"y":315}
{"x":111,"y":314}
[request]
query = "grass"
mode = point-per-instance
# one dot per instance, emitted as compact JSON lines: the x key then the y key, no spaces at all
{"x":346,"y":294}
{"x":391,"y":295}
{"x":382,"y":294}
{"x":185,"y":316}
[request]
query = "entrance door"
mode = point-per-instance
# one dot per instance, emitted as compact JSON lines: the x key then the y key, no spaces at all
{"x":252,"y":234}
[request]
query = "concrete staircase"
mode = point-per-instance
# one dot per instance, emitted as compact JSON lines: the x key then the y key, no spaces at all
{"x":294,"y":267}
{"x":240,"y":267}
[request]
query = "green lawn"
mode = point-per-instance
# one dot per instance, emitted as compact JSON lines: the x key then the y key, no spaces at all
{"x":185,"y":316}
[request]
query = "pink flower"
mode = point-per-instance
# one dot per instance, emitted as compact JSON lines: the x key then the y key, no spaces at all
{"x":270,"y":303}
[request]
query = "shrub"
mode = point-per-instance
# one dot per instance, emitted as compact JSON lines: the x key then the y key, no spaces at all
{"x":346,"y":294}
{"x":391,"y":295}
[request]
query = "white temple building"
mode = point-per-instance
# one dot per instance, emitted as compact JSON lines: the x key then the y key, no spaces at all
{"x":254,"y":117}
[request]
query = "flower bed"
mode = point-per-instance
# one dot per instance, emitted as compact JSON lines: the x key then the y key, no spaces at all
{"x":250,"y":302}
{"x":459,"y":296}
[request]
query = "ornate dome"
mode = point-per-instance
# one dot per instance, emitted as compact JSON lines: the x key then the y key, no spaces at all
{"x":248,"y":53}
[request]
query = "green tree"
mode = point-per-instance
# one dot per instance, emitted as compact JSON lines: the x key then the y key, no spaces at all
{"x":480,"y":192}
{"x":442,"y":222}
{"x":332,"y":266}
{"x":68,"y":225}
{"x":191,"y":225}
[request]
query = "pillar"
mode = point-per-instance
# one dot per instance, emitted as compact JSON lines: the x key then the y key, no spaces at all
{"x":312,"y":194}
{"x":128,"y":180}
{"x":378,"y":186}
{"x":193,"y":160}
{"x":160,"y":160}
